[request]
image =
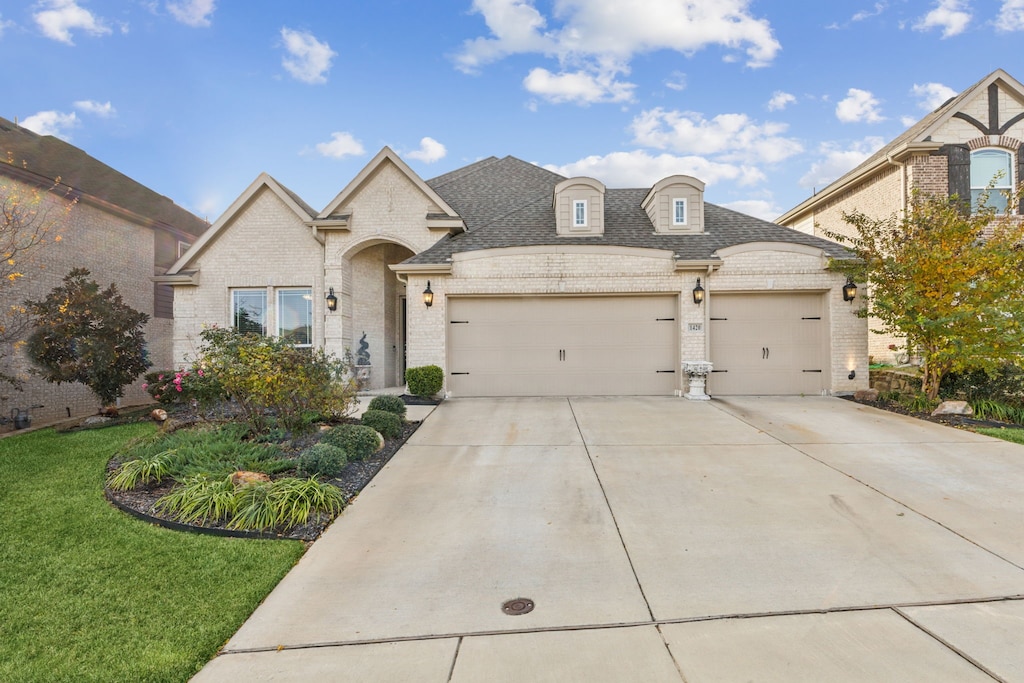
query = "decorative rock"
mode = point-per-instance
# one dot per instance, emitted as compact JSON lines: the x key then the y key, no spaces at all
{"x":244,"y":478}
{"x":866,"y":394}
{"x":109,"y":411}
{"x":953,"y":408}
{"x":95,"y":420}
{"x":158,"y":415}
{"x":380,"y":442}
{"x":325,"y":428}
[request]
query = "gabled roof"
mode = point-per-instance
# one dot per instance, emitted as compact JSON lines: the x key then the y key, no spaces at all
{"x":918,"y":134}
{"x":42,"y":159}
{"x":291,"y":200}
{"x":507,"y":203}
{"x":383,"y":156}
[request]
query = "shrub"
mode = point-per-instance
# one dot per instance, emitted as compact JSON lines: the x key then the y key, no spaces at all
{"x":1005,"y":384}
{"x":391,"y":404}
{"x":322,"y":459}
{"x":184,"y":386}
{"x":425,"y":380}
{"x":269,"y":377}
{"x":388,"y":424}
{"x":358,"y":441}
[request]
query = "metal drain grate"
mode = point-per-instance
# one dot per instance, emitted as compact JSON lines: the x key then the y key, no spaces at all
{"x":517,"y":606}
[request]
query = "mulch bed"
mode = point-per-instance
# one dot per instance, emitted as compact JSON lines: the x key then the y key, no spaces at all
{"x":140,"y":501}
{"x":960,"y":421}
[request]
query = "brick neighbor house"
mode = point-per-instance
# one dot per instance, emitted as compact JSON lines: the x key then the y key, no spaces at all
{"x":123,"y":232}
{"x":541,"y":284}
{"x":956,"y":149}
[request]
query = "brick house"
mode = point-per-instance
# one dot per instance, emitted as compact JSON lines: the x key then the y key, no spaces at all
{"x":955,"y":150}
{"x":123,"y":232}
{"x":541,"y":285}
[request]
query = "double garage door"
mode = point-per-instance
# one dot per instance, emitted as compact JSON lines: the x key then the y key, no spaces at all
{"x":563,"y":346}
{"x":629,"y":345}
{"x":768,"y":344}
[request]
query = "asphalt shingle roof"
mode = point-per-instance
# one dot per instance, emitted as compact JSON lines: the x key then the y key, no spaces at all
{"x":50,"y":158}
{"x":508,"y":203}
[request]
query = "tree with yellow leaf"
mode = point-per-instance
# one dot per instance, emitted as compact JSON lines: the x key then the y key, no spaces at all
{"x":949,"y":281}
{"x":30,"y":221}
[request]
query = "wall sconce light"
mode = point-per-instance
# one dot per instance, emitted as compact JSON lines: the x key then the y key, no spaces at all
{"x":698,"y":293}
{"x":428,"y":296}
{"x":849,"y":290}
{"x":332,"y":301}
{"x":852,"y":375}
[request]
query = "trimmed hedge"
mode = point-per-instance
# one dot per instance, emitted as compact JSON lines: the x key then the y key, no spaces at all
{"x":324,"y":459}
{"x":358,"y":441}
{"x":425,"y":380}
{"x":391,"y":404}
{"x":388,"y":424}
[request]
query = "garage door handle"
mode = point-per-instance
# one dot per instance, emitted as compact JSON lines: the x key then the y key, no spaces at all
{"x":672,"y":372}
{"x":765,"y":352}
{"x":812,"y":370}
{"x":658,"y":320}
{"x":718,"y":318}
{"x":460,"y":373}
{"x":459,"y":322}
{"x":814,"y":318}
{"x":719,"y":371}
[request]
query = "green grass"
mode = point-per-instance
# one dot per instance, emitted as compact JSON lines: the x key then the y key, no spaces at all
{"x":1007,"y":434}
{"x":88,"y":593}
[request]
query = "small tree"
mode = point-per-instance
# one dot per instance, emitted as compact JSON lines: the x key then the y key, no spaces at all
{"x":948,"y":281}
{"x":27,"y":226}
{"x":82,"y":334}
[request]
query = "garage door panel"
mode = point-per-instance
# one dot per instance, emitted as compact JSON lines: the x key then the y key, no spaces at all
{"x":768,"y":344}
{"x":554,"y":346}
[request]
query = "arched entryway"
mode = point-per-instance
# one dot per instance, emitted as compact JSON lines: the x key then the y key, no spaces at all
{"x":372,"y":309}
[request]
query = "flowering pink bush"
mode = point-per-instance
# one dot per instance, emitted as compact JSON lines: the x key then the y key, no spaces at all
{"x":184,"y":385}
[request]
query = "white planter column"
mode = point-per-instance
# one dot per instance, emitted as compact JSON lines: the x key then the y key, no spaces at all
{"x":697,"y":375}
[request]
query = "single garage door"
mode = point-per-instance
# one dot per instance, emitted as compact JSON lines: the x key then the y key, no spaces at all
{"x":768,"y":344}
{"x":563,"y":346}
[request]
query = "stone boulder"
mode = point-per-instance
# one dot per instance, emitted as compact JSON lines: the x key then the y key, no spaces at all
{"x":866,"y":394}
{"x":953,"y":408}
{"x":244,"y":478}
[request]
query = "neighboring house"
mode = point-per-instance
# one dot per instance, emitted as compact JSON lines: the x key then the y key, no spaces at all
{"x":956,"y":150}
{"x":541,"y":285}
{"x":122,"y":232}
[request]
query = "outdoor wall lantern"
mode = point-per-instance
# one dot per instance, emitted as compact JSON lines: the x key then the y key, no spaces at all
{"x":428,"y":296}
{"x":849,"y":290}
{"x":852,"y":375}
{"x":332,"y":301}
{"x":698,"y":293}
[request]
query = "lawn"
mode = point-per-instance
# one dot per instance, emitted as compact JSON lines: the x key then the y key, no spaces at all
{"x":1006,"y":433}
{"x":88,"y":593}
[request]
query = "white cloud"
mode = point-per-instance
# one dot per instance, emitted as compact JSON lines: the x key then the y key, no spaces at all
{"x":4,"y":25}
{"x":759,"y":208}
{"x":677,"y":81}
{"x":867,"y":14}
{"x":193,"y":12}
{"x":836,"y":161}
{"x":859,"y":106}
{"x":1011,"y":16}
{"x":579,"y":87}
{"x":60,"y":17}
{"x":734,"y":136}
{"x":340,"y":146}
{"x":102,"y":109}
{"x":53,"y":123}
{"x":595,"y":40}
{"x":931,"y":95}
{"x":908,"y":121}
{"x":430,"y":151}
{"x":640,"y":169}
{"x":780,"y":100}
{"x":308,"y":59}
{"x":952,"y":16}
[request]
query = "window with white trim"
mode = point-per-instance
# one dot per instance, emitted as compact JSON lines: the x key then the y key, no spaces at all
{"x":295,"y":316}
{"x":579,"y":212}
{"x":992,"y":173}
{"x":678,"y":212}
{"x":249,"y":311}
{"x":183,"y":246}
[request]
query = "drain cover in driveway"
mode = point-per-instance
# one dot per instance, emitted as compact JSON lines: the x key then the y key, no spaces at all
{"x":517,"y":606}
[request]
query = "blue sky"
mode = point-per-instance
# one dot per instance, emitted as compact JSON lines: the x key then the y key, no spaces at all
{"x":762,"y":100}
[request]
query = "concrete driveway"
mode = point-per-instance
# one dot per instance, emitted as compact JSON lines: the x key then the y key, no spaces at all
{"x":772,"y":539}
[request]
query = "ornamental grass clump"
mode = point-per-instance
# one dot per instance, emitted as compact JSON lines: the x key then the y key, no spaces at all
{"x":388,"y":424}
{"x":358,"y":441}
{"x":391,"y":404}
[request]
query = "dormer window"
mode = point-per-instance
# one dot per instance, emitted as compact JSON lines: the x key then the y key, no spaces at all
{"x":579,"y":207}
{"x":991,"y":174}
{"x":678,"y":211}
{"x":579,"y":213}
